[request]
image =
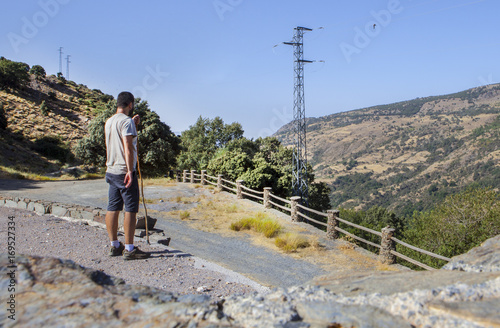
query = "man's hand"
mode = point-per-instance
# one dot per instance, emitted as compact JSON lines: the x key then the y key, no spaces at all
{"x":137,"y":120}
{"x":128,"y":179}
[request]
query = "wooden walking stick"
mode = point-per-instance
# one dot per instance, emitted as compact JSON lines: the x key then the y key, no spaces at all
{"x":142,"y":194}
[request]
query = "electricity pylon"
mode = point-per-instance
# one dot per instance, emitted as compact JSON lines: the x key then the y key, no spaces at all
{"x":60,"y":59}
{"x":300,"y":186}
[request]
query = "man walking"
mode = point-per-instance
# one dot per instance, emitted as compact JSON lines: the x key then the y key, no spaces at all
{"x":121,"y":175}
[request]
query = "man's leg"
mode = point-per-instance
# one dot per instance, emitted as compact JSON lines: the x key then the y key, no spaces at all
{"x":131,"y":200}
{"x":129,"y":227}
{"x":112,"y":224}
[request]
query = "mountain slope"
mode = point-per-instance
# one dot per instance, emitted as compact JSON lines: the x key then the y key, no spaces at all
{"x":40,"y":143}
{"x":408,"y":155}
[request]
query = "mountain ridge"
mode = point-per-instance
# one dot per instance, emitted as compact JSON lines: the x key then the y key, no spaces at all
{"x":416,"y":151}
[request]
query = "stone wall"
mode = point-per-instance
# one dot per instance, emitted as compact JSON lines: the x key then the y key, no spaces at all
{"x":90,"y":214}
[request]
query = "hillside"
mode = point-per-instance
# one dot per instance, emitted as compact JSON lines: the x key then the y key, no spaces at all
{"x":38,"y":142}
{"x":408,"y":155}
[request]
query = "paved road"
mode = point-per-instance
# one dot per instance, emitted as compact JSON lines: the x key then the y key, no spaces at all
{"x":237,"y":254}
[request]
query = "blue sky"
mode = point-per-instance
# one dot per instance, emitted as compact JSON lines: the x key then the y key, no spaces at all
{"x":219,"y":57}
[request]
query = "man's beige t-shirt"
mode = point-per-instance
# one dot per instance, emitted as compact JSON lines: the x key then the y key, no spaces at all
{"x":117,"y":127}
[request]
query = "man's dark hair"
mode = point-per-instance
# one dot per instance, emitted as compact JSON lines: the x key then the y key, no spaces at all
{"x":124,"y":99}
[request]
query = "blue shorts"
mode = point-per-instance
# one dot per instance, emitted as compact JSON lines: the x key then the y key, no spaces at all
{"x":119,"y":195}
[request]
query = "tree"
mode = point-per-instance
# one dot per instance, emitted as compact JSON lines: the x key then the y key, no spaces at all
{"x":461,"y":222}
{"x":230,"y":163}
{"x":264,"y":162}
{"x":13,"y":75}
{"x":319,"y":196}
{"x":157,"y":145}
{"x":38,"y":71}
{"x":203,"y":139}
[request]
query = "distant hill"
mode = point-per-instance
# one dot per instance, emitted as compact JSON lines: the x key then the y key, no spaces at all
{"x":408,"y":155}
{"x":45,"y":118}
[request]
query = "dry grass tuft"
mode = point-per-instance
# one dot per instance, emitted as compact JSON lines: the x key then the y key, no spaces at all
{"x":159,"y":181}
{"x":231,"y":208}
{"x":12,"y":173}
{"x":260,"y":223}
{"x":347,"y":243}
{"x":291,"y":242}
{"x":184,"y":215}
{"x":184,"y":200}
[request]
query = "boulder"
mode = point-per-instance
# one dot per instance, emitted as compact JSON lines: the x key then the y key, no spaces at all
{"x":58,"y":293}
{"x":484,"y":258}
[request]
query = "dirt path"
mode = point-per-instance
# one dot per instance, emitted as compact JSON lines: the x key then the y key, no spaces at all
{"x":206,"y":238}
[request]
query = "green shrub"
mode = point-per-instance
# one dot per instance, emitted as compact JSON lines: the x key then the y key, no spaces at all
{"x":53,"y":148}
{"x":13,"y":75}
{"x":44,"y":109}
{"x":38,"y":71}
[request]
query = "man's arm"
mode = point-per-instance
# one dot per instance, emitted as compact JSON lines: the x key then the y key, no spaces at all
{"x":128,"y":146}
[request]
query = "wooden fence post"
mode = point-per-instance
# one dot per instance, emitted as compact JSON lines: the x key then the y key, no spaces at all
{"x":267,"y":191}
{"x":184,"y":176}
{"x":192,"y":175}
{"x":203,"y":177}
{"x":178,"y":175}
{"x":219,"y":182}
{"x":388,"y":245}
{"x":239,"y":195}
{"x":294,"y":210}
{"x":333,"y":223}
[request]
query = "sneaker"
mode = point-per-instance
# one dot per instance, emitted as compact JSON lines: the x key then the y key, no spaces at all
{"x":116,"y":251}
{"x":135,"y":254}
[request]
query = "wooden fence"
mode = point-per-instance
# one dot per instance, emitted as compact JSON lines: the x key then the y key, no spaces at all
{"x":300,"y":213}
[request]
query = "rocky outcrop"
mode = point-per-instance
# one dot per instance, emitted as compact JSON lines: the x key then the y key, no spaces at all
{"x":484,"y":258}
{"x":53,"y":292}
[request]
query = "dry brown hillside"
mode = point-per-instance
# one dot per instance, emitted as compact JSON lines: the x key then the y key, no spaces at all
{"x":40,"y":143}
{"x":412,"y":152}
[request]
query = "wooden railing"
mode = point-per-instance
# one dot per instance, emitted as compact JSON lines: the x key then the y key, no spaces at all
{"x":300,"y":213}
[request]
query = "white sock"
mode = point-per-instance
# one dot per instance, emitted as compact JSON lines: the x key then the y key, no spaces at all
{"x":129,"y":247}
{"x":115,"y":243}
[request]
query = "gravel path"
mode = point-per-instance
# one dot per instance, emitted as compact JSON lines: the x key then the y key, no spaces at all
{"x":256,"y":265}
{"x":266,"y":267}
{"x":87,"y":245}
